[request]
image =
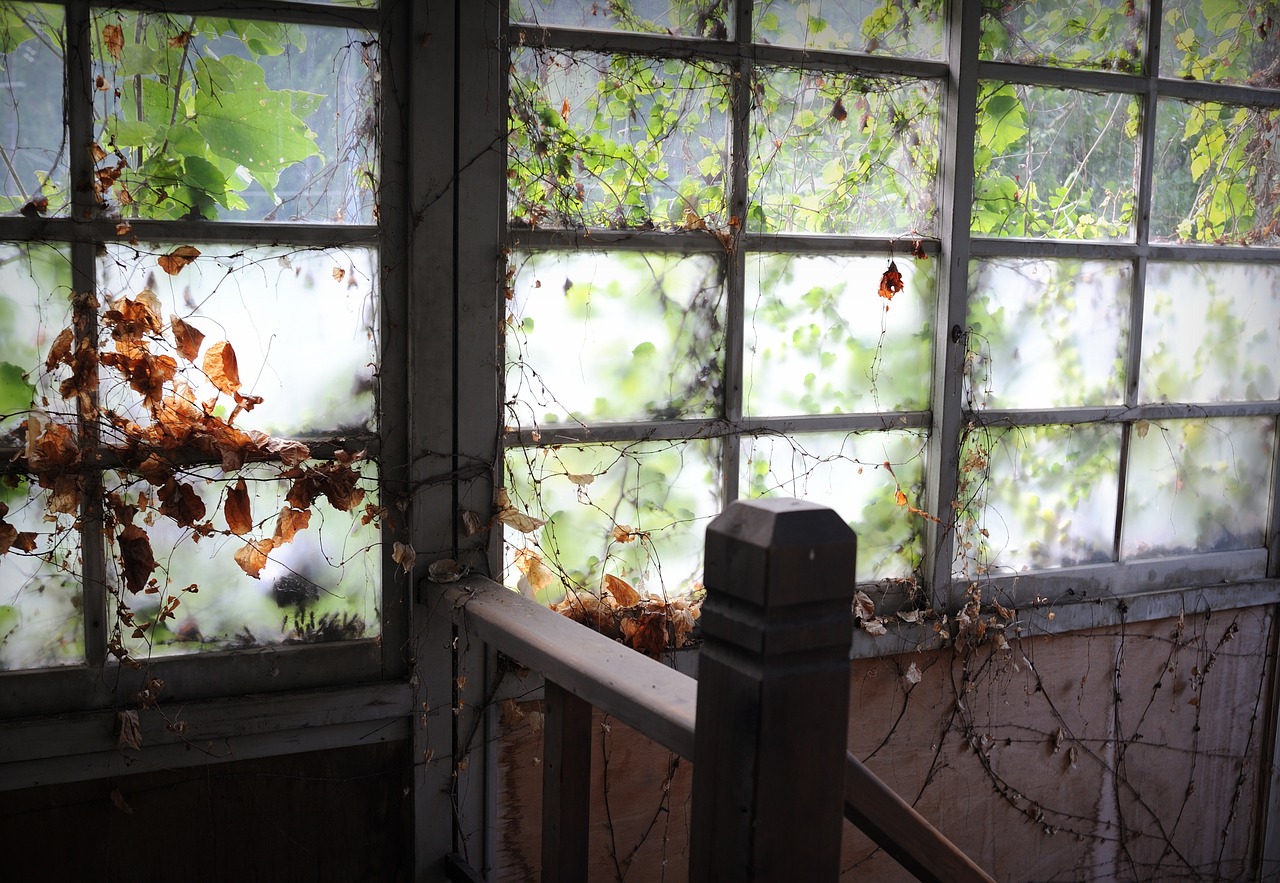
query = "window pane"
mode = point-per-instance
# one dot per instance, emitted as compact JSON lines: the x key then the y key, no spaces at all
{"x":636,"y":511}
{"x":1198,"y":486}
{"x":278,"y":307}
{"x":232,"y":119}
{"x":41,"y":616}
{"x":1217,"y":168}
{"x":819,"y":339}
{"x":1209,"y":333}
{"x":1047,"y":333}
{"x":837,"y":153}
{"x":1068,"y":33}
{"x":617,"y":141}
{"x":893,"y":27}
{"x":1054,"y":163}
{"x":857,"y":474}
{"x":35,"y":305}
{"x":681,"y":18}
{"x":322,"y":585}
{"x":614,"y":336}
{"x":1225,"y":41}
{"x":33,"y":135}
{"x":1037,"y":496}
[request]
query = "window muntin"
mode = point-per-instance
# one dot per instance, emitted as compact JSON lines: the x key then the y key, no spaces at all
{"x":1073,"y":252}
{"x":680,"y":18}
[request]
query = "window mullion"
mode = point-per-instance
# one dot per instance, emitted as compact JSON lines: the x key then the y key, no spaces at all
{"x":77,"y":73}
{"x":1142,"y":231}
{"x":955,"y":204}
{"x":735,"y":277}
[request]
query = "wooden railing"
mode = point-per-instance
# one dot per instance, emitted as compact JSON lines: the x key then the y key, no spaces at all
{"x":765,"y":722}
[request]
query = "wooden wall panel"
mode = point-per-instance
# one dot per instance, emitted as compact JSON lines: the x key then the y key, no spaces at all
{"x":1155,"y":774}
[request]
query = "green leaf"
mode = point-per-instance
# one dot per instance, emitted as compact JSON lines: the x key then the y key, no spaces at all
{"x":245,"y":122}
{"x":16,"y":391}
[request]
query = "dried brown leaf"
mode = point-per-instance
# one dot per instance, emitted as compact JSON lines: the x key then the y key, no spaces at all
{"x":252,"y":556}
{"x":222,"y":368}
{"x":890,"y":282}
{"x":864,"y":607}
{"x":129,"y":730}
{"x":113,"y":40}
{"x":404,"y":555}
{"x":912,"y":675}
{"x":236,"y":509}
{"x":186,"y":338}
{"x":472,"y":523}
{"x":535,"y":571}
{"x":136,"y":559}
{"x":291,"y":521}
{"x":513,"y":517}
{"x":444,"y":570}
{"x":175,"y":261}
{"x":60,"y":350}
{"x":621,"y":590}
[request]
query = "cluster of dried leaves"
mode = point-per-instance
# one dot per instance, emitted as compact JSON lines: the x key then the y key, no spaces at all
{"x":152,"y":437}
{"x":649,"y":624}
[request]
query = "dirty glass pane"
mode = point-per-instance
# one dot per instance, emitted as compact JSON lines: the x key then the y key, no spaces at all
{"x":613,"y":336}
{"x":1047,"y":333}
{"x":1217,"y":167}
{"x":278,"y":307}
{"x":889,"y":27}
{"x":1198,"y":486}
{"x":1054,"y":163}
{"x":637,"y":511}
{"x":41,"y":618}
{"x":233,"y":119}
{"x":1091,"y":34}
{"x":820,"y":339}
{"x":616,"y":141}
{"x":679,"y":18}
{"x":33,"y":136}
{"x":838,"y":153}
{"x":1222,"y":41}
{"x":1035,"y":497}
{"x":321,"y":586}
{"x":1210,"y":332}
{"x":857,"y":474}
{"x":35,"y":305}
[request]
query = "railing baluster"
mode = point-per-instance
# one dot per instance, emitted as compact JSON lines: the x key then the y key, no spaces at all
{"x":773,"y":694}
{"x":566,"y":786}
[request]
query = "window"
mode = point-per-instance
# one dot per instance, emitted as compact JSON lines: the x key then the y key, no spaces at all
{"x":997,"y":282}
{"x":192,"y":412}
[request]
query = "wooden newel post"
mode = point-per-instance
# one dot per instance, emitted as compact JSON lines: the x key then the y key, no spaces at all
{"x":773,"y":694}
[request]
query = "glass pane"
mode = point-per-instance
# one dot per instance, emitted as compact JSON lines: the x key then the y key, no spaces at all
{"x":636,"y":511}
{"x":1223,"y":41}
{"x":860,"y":476}
{"x":617,"y":141}
{"x":1047,"y":333}
{"x":35,"y":305}
{"x":837,"y":153}
{"x":888,"y":27}
{"x":1216,"y":166}
{"x":614,"y":336}
{"x":233,"y":119}
{"x":680,"y":18}
{"x":1209,"y":333}
{"x":1088,"y":34}
{"x":1198,"y":486}
{"x":820,"y":340}
{"x":1054,"y":163}
{"x":1037,"y":497}
{"x":279,"y":308}
{"x":322,"y":585}
{"x":41,"y":618}
{"x":33,"y":135}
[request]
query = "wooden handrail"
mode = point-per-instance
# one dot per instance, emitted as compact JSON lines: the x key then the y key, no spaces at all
{"x":583,"y":668}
